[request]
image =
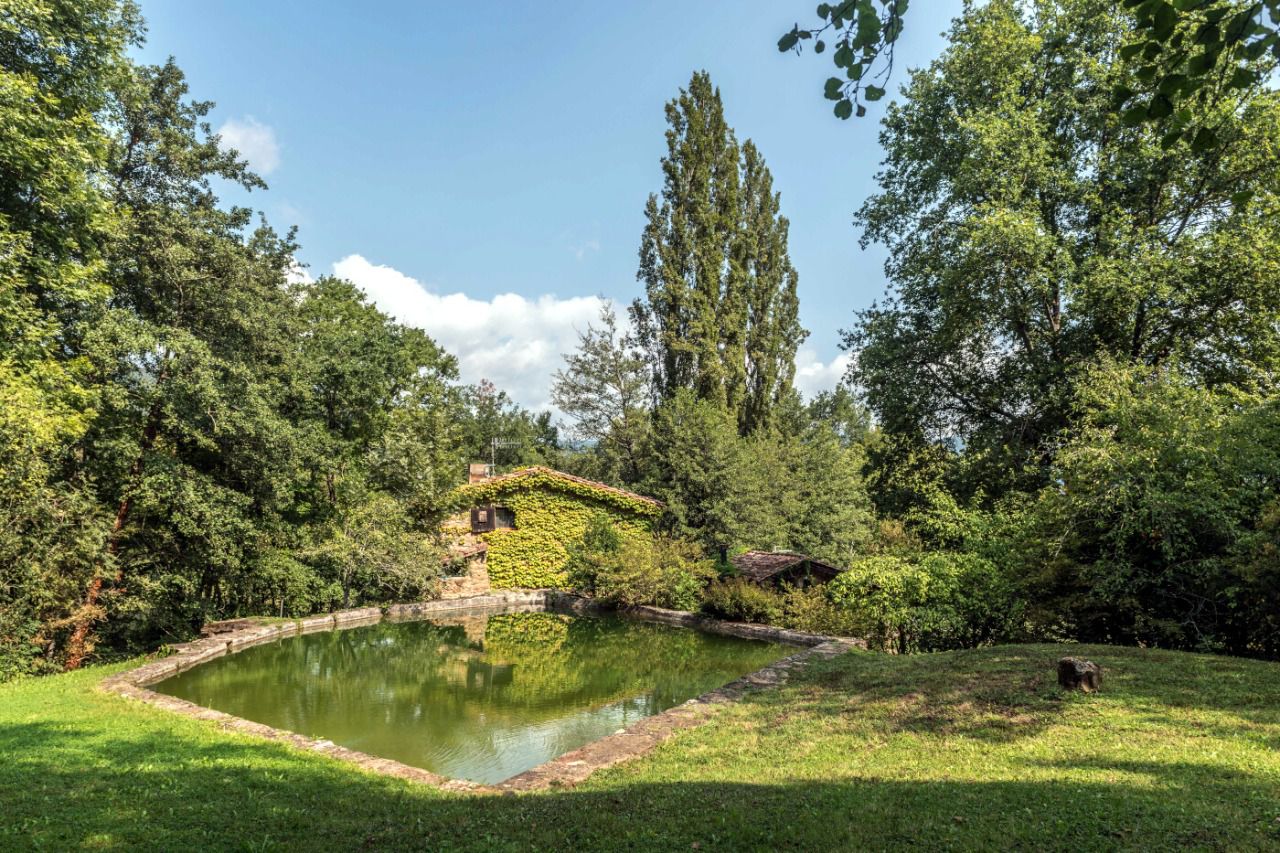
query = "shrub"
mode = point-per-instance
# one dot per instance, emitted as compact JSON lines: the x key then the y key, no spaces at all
{"x":940,"y":600}
{"x":740,"y":600}
{"x":811,"y":609}
{"x":661,"y":571}
{"x":1153,"y":531}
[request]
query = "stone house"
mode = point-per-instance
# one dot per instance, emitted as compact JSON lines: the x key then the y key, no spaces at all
{"x":526,"y":521}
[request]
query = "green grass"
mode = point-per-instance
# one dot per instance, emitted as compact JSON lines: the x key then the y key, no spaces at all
{"x":962,"y":750}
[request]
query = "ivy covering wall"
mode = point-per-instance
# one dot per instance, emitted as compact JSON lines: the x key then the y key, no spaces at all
{"x":551,"y":513}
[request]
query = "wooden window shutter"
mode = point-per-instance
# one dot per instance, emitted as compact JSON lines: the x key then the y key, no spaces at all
{"x":482,"y":519}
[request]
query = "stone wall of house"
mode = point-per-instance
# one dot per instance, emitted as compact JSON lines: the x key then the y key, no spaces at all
{"x":474,"y":582}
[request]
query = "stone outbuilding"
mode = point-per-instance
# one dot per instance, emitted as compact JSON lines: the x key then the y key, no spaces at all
{"x":528,"y":519}
{"x":776,"y":568}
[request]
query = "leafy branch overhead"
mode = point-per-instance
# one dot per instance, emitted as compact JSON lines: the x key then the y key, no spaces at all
{"x":863,"y":34}
{"x":1195,"y":52}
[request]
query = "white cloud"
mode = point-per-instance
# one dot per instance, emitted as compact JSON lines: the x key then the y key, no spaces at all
{"x":297,"y":274}
{"x":515,"y":341}
{"x":255,"y":141}
{"x":813,"y":375}
{"x":581,"y":250}
{"x":511,"y":340}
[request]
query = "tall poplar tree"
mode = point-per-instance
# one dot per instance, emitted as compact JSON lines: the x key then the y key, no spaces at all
{"x":720,"y":308}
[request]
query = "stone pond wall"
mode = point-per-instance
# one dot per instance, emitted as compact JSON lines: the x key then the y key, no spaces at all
{"x":567,"y":769}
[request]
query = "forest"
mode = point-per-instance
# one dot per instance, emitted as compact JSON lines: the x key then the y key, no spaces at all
{"x":1061,"y":421}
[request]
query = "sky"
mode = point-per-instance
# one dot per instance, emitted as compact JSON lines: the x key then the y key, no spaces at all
{"x":480,"y":171}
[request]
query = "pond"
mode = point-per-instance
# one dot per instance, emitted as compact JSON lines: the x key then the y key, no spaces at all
{"x":479,"y":697}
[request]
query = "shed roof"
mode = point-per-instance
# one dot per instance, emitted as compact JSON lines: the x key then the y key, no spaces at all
{"x":762,"y":565}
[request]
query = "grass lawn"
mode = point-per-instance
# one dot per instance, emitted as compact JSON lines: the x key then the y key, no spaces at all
{"x":961,"y":750}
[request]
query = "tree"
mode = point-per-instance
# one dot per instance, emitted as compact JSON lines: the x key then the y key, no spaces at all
{"x":1162,"y":508}
{"x":708,"y":478}
{"x":864,"y":37}
{"x":57,"y":61}
{"x":1031,"y":232}
{"x":1199,"y":52}
{"x":771,"y":489}
{"x":197,"y":325}
{"x":1205,"y":50}
{"x":773,"y":332}
{"x":605,"y":388}
{"x":720,"y":308}
{"x":495,"y":428}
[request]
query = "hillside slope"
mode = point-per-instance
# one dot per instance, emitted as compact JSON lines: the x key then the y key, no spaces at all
{"x":975,"y":749}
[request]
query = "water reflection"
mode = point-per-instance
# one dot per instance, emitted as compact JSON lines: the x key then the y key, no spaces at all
{"x":479,"y":697}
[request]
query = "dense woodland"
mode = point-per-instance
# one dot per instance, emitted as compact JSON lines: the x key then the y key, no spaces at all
{"x":1062,"y":420}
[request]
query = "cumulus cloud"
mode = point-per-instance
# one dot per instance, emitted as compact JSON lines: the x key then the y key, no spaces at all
{"x":297,"y":274}
{"x":514,"y":341}
{"x":813,"y":375}
{"x":255,"y":141}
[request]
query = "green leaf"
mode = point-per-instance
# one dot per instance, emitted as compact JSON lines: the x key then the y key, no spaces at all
{"x":1243,"y":78}
{"x":1129,"y":51}
{"x":1160,"y":107}
{"x":1171,"y":83}
{"x":1239,"y":26}
{"x":819,"y":46}
{"x":1170,"y":139}
{"x":831,"y":91}
{"x":843,"y":56}
{"x":1241,"y":198}
{"x":861,"y":110}
{"x":1166,"y":17}
{"x":1202,"y":63}
{"x":1208,"y":34}
{"x":874,"y":93}
{"x":844,"y":108}
{"x":824,"y":9}
{"x":1205,"y":139}
{"x":1134,"y":116}
{"x":788,"y":41}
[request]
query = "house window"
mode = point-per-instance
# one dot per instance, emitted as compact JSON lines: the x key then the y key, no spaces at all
{"x":487,"y":518}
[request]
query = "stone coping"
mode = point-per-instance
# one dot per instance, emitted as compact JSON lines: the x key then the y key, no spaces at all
{"x":564,"y":770}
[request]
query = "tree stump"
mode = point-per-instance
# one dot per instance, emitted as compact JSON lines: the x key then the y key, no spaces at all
{"x":1078,"y":674}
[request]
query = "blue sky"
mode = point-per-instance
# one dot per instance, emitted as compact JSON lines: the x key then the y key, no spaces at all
{"x":482,"y":170}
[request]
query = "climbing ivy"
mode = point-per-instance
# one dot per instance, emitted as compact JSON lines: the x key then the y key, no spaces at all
{"x":551,"y":513}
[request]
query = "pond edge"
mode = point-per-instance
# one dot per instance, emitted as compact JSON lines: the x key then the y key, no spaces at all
{"x":565,"y":770}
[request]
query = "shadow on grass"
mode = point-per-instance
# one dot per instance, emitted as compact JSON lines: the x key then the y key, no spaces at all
{"x":1008,"y":693}
{"x":64,"y":787}
{"x":996,"y":698}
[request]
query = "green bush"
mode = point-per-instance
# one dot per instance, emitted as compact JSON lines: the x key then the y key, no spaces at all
{"x":1155,"y":529}
{"x":936,"y":601}
{"x":740,"y":600}
{"x":811,"y":609}
{"x":660,"y":571}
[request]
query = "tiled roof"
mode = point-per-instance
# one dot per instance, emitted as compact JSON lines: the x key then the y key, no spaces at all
{"x":762,"y":565}
{"x":535,"y":470}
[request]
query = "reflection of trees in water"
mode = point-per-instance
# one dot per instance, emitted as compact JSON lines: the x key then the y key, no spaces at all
{"x":436,"y":682}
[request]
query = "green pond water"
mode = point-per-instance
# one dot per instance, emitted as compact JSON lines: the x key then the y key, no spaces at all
{"x":471,"y":697}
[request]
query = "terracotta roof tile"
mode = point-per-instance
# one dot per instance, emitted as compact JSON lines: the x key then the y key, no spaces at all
{"x":762,"y":565}
{"x":542,"y":469}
